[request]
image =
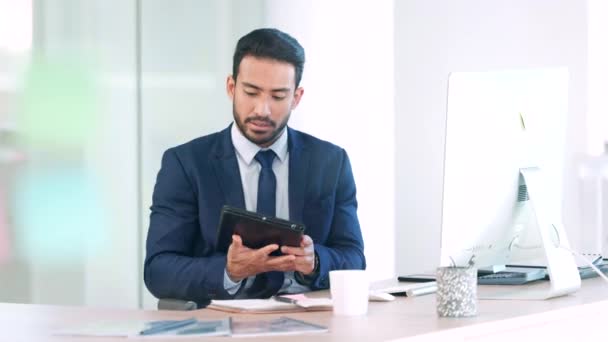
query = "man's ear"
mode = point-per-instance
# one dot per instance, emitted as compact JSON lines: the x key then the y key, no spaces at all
{"x":230,"y":87}
{"x":297,"y":96}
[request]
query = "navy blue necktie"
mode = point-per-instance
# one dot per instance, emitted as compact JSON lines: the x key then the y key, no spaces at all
{"x":267,"y":284}
{"x":267,"y":184}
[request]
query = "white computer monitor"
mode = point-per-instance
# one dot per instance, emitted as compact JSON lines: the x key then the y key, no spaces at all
{"x":503,"y":173}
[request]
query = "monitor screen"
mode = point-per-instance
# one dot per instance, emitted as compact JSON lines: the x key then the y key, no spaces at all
{"x":498,"y":123}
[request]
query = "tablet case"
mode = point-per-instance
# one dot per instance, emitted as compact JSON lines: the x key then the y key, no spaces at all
{"x":256,"y":230}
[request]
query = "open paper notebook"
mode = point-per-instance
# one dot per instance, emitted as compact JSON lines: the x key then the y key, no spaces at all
{"x":271,"y":305}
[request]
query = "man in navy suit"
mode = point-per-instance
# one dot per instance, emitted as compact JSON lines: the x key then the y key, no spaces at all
{"x":259,"y":164}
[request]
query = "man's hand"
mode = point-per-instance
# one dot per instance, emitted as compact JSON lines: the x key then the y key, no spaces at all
{"x":304,"y":255}
{"x":243,"y":262}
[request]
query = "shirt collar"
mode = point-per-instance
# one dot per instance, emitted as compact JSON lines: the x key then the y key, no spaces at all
{"x":247,"y":150}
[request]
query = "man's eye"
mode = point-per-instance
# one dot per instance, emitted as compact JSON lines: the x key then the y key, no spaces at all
{"x":278,"y":98}
{"x":250,"y":93}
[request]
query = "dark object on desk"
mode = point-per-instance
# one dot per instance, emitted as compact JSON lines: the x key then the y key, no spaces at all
{"x":176,"y":305}
{"x":585,"y":271}
{"x":256,"y":230}
{"x":284,"y":299}
{"x":163,"y":327}
{"x":511,"y":276}
{"x":588,"y":272}
{"x":417,"y":278}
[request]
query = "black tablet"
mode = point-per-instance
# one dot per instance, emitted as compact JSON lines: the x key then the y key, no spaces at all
{"x":256,"y":230}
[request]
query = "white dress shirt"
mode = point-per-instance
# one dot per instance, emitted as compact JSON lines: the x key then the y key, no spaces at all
{"x":250,"y":171}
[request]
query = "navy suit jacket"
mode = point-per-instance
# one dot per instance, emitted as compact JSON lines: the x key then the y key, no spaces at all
{"x":197,"y":178}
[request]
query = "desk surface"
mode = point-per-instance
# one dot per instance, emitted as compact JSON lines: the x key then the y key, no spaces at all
{"x":407,"y":319}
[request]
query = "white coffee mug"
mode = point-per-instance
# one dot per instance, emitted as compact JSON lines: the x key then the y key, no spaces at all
{"x":349,"y":292}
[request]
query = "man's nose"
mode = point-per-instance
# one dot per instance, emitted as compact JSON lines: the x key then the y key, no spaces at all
{"x":262,"y":107}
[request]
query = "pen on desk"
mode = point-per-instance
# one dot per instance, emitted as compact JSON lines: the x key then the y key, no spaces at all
{"x":168,"y":326}
{"x":421,"y":290}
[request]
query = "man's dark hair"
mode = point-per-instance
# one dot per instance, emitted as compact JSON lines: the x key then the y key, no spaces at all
{"x":270,"y":43}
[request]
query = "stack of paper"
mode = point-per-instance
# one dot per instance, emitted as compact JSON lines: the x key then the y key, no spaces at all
{"x":253,"y":306}
{"x":281,"y":304}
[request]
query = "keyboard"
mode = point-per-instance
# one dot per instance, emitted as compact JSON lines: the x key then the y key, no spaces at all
{"x":511,"y":278}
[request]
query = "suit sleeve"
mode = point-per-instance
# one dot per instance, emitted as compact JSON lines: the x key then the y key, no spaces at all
{"x":171,"y":270}
{"x":344,"y":247}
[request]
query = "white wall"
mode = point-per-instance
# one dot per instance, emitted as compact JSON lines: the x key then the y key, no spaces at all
{"x":435,"y":37}
{"x":348,"y":100}
{"x":597,"y":71}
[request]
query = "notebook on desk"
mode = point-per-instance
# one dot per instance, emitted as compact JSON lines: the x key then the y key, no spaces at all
{"x":271,"y":305}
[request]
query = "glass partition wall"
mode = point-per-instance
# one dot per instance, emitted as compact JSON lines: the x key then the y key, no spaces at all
{"x":186,"y":55}
{"x":91,"y":94}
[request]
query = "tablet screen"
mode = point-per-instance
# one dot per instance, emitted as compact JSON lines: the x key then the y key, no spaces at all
{"x":256,"y":230}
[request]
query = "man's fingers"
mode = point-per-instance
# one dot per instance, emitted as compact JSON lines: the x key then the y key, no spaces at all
{"x":281,"y":263}
{"x":268,"y":249}
{"x":293,"y":250}
{"x":236,"y":240}
{"x":306,"y":247}
{"x":280,"y":259}
{"x":306,"y":241}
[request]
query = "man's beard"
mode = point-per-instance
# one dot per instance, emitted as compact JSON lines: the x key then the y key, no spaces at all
{"x":266,"y":141}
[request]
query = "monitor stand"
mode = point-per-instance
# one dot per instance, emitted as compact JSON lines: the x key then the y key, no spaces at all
{"x":563,"y":272}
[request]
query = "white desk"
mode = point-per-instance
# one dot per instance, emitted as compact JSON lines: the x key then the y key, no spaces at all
{"x":578,"y":317}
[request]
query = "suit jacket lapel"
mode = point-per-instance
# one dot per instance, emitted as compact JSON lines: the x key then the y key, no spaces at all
{"x":226,"y":169}
{"x":299,"y":158}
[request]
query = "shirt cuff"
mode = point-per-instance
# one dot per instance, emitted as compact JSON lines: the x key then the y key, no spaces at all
{"x":230,"y":286}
